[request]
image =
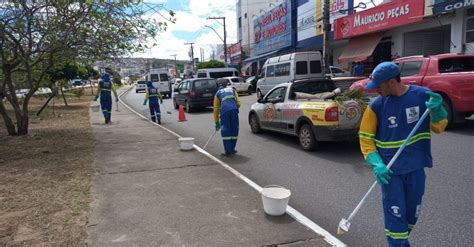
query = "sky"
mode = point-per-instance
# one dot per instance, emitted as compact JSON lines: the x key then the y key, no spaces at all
{"x":190,"y":27}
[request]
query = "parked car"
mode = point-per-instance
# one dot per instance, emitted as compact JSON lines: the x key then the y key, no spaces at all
{"x":140,"y":86}
{"x":451,"y":75}
{"x":307,"y":109}
{"x":338,"y":72}
{"x":217,"y":73}
{"x":195,"y":93}
{"x":290,"y":67}
{"x":252,"y":80}
{"x":77,"y":83}
{"x":238,"y":83}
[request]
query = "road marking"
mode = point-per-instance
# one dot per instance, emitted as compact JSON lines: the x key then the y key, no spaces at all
{"x":295,"y":214}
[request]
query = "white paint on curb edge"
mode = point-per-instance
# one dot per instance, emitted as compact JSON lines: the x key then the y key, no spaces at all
{"x":295,"y":214}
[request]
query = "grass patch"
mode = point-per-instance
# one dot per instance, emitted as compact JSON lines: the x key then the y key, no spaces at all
{"x":45,"y":185}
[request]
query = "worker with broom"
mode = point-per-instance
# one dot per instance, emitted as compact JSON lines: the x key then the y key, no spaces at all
{"x":386,"y":122}
{"x":153,"y":95}
{"x":104,"y":91}
{"x":226,"y":105}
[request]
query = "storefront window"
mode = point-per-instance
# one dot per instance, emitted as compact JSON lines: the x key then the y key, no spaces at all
{"x":470,"y":26}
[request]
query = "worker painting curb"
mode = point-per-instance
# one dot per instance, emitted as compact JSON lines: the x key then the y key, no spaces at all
{"x":328,"y":237}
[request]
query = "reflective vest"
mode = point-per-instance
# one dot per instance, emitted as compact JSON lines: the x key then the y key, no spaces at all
{"x":227,"y":98}
{"x":105,"y":88}
{"x":396,"y":117}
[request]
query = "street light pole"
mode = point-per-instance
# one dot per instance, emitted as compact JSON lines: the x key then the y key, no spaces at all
{"x":225,"y":34}
{"x":192,"y":53}
{"x":326,"y":30}
{"x":175,"y":66}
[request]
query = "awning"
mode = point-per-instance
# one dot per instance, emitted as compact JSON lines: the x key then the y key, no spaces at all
{"x":359,"y":48}
{"x":260,"y":57}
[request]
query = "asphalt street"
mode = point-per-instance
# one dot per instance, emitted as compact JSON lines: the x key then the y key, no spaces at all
{"x":327,"y":184}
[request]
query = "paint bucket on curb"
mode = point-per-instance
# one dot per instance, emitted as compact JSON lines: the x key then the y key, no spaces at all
{"x":95,"y":108}
{"x":186,"y":143}
{"x":275,"y":199}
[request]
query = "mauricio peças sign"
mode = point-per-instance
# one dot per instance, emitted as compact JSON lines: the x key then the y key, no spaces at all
{"x":382,"y":17}
{"x":273,"y":29}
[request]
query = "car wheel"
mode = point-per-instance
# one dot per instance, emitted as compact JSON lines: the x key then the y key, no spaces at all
{"x":249,"y":90}
{"x":188,"y":107}
{"x":306,"y":136}
{"x":255,"y":124}
{"x":176,"y":106}
{"x":449,"y":108}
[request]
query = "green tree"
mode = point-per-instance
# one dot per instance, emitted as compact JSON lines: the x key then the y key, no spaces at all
{"x":36,"y":36}
{"x":210,"y":64}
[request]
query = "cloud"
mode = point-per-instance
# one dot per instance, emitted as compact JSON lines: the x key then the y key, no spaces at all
{"x":191,"y":17}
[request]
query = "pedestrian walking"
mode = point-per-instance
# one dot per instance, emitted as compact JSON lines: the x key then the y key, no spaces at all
{"x":388,"y":119}
{"x":226,"y":106}
{"x":153,"y":95}
{"x":104,"y":91}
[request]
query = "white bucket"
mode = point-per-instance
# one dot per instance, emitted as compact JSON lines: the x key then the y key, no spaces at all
{"x":95,"y":108}
{"x":275,"y":199}
{"x":186,"y":143}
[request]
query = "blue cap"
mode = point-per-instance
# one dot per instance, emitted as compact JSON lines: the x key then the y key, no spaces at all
{"x":383,"y":72}
{"x":149,"y":84}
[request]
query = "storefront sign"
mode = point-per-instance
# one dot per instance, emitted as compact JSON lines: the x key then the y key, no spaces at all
{"x":273,"y":29}
{"x":235,"y":51}
{"x":379,"y":18}
{"x":309,"y":13}
{"x":443,"y":6}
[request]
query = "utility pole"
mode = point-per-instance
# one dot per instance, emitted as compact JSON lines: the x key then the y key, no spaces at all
{"x":192,"y":53}
{"x":225,"y":34}
{"x":326,"y":30}
{"x":175,"y":66}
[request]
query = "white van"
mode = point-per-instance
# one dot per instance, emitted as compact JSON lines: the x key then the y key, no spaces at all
{"x":160,"y":80}
{"x":290,"y":67}
{"x":217,"y":73}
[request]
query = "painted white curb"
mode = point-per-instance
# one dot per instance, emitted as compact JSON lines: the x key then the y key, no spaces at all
{"x":328,"y":237}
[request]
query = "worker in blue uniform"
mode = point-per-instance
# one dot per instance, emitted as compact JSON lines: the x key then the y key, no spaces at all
{"x":153,"y":95}
{"x":386,"y":122}
{"x":226,"y":106}
{"x":104,"y":91}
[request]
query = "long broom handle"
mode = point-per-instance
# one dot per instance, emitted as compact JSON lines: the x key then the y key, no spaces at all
{"x":210,"y":138}
{"x":394,"y":158}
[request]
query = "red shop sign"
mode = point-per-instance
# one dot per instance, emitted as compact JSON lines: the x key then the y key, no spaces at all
{"x":385,"y":16}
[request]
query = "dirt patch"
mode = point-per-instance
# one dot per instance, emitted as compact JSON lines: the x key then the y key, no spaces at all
{"x":45,"y":177}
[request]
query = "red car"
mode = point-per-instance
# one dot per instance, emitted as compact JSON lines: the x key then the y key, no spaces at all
{"x":451,"y":75}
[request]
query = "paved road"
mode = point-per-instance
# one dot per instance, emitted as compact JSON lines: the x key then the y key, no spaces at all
{"x":327,"y":184}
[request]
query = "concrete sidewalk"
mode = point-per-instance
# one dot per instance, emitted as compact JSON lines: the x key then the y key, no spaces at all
{"x":146,"y":192}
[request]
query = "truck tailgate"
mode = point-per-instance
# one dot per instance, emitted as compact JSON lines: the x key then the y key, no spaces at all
{"x":350,"y":114}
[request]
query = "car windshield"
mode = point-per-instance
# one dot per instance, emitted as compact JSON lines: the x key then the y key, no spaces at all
{"x":250,"y":79}
{"x":141,"y":82}
{"x":205,"y":84}
{"x":312,"y":87}
{"x":237,"y":80}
